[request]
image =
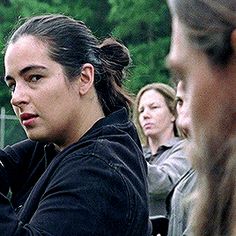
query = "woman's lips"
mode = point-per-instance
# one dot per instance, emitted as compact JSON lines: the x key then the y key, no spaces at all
{"x":148,"y":126}
{"x":28,"y":119}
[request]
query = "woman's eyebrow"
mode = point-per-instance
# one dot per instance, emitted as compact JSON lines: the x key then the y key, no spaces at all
{"x":25,"y":70}
{"x":31,"y":67}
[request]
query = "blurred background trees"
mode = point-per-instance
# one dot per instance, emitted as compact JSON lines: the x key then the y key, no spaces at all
{"x":143,"y":26}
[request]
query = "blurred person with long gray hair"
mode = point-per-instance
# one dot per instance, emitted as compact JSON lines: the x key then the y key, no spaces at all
{"x":203,"y":55}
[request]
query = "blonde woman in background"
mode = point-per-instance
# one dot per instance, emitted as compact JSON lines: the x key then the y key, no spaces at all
{"x":155,"y":117}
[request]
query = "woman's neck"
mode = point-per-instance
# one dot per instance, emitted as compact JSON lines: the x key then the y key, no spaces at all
{"x":87,"y":115}
{"x":155,"y":142}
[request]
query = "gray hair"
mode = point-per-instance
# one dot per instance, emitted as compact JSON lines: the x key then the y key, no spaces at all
{"x":208,"y":25}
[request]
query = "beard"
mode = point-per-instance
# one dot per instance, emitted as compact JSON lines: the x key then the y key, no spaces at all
{"x":213,"y":155}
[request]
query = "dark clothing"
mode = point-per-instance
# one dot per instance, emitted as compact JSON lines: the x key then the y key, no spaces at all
{"x":26,"y":162}
{"x":96,"y":186}
{"x":180,"y":203}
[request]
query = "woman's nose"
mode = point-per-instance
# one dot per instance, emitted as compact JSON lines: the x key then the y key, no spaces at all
{"x":146,"y":113}
{"x":19,"y":96}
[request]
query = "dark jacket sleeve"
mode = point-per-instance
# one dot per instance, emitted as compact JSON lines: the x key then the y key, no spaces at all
{"x":20,"y":160}
{"x":4,"y":186}
{"x":79,"y":200}
{"x":7,"y":215}
{"x":15,"y":169}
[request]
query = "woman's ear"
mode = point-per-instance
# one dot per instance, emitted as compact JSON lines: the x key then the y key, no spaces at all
{"x":86,"y":78}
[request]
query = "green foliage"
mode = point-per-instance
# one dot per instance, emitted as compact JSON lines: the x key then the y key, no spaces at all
{"x":14,"y":132}
{"x":148,"y":64}
{"x":139,"y":20}
{"x":144,"y":26}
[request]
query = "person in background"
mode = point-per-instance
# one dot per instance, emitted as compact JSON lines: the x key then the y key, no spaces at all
{"x":180,"y":199}
{"x":155,"y":118}
{"x":203,"y":54}
{"x":84,"y":172}
{"x":183,"y":119}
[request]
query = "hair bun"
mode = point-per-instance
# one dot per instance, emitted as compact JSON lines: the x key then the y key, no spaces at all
{"x":115,"y":53}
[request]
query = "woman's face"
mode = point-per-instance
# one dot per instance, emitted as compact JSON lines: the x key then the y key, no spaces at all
{"x":154,"y":115}
{"x":45,"y":103}
{"x":211,"y":89}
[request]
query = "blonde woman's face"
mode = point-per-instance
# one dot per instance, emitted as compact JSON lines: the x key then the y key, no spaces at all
{"x":154,"y":116}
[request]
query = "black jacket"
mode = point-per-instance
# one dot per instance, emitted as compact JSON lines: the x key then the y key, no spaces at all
{"x":96,"y":186}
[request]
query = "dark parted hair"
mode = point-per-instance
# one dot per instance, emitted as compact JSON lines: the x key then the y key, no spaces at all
{"x":71,"y":44}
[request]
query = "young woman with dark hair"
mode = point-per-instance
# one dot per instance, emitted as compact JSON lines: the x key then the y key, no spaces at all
{"x":90,"y":178}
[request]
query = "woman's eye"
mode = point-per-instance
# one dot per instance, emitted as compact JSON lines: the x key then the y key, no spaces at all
{"x":11,"y":86}
{"x":179,"y":101}
{"x":35,"y":78}
{"x":140,"y":111}
{"x":155,"y":107}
